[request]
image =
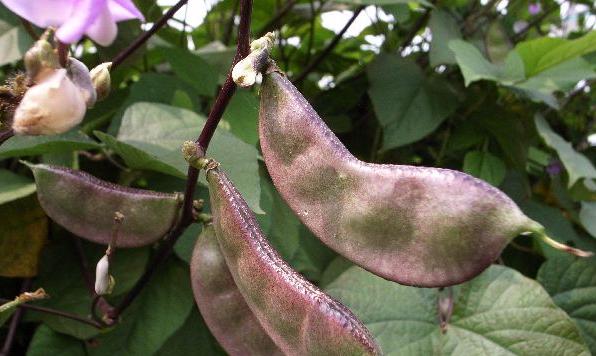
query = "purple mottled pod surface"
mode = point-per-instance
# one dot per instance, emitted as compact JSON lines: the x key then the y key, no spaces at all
{"x":222,"y":305}
{"x":300,"y":318}
{"x":85,"y":206}
{"x":413,"y":225}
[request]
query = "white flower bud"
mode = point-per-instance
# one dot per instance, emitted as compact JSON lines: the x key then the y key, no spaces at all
{"x":100,"y":76}
{"x":104,"y":283}
{"x":245,"y":72}
{"x":80,"y":76}
{"x":53,"y":106}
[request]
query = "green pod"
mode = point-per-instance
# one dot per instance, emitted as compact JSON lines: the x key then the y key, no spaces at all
{"x":414,"y":225}
{"x":85,"y":206}
{"x":299,"y":317}
{"x":222,"y":305}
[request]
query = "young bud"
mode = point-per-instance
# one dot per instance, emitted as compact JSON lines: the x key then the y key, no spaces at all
{"x":104,"y":283}
{"x":100,"y":76}
{"x":40,"y":60}
{"x":245,"y":72}
{"x":80,"y":76}
{"x":53,"y":106}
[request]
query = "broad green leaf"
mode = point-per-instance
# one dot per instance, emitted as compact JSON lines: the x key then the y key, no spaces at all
{"x":408,"y":105}
{"x":192,"y":338}
{"x":546,"y":52}
{"x":296,"y":244}
{"x":571,"y":282}
{"x":587,"y":216}
{"x":186,"y":243}
{"x":23,"y":233}
{"x":14,"y":40}
{"x":475,"y":67}
{"x":19,"y":146}
{"x":500,"y":312}
{"x":217,"y":55}
{"x":192,"y":69}
{"x":562,"y":77}
{"x":157,"y":88}
{"x":485,"y":166}
{"x":48,"y":342}
{"x":444,"y":28}
{"x":61,"y":277}
{"x":14,"y":186}
{"x":577,"y":165}
{"x":151,"y":135}
{"x":160,"y":310}
{"x":242,"y":115}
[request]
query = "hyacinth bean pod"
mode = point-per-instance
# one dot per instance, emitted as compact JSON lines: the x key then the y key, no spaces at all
{"x":85,"y":206}
{"x":414,"y":225}
{"x":299,"y":317}
{"x":222,"y":305}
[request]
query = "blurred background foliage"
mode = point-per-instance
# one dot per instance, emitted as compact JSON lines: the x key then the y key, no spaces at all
{"x":500,"y":89}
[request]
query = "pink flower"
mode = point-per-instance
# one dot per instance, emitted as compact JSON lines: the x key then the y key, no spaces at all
{"x":75,"y":18}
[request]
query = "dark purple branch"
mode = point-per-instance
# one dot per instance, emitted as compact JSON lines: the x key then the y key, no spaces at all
{"x":15,"y":321}
{"x":29,"y":28}
{"x":60,"y":313}
{"x":120,"y":57}
{"x":5,"y":135}
{"x":63,"y":53}
{"x":313,"y":65}
{"x":222,"y":100}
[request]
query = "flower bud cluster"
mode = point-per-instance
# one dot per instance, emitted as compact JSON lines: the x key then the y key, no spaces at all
{"x":245,"y":72}
{"x":58,"y":97}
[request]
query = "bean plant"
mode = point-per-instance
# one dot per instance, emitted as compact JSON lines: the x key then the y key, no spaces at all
{"x":297,"y":177}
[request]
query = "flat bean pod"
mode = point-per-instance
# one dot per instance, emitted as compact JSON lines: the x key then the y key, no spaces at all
{"x":222,"y":305}
{"x":299,"y":317}
{"x":414,"y":225}
{"x":85,"y":206}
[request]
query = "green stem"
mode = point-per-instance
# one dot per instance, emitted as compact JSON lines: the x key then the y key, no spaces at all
{"x":562,"y":247}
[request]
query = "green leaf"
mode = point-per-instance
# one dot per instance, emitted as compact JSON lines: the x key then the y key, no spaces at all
{"x":159,"y":311}
{"x":577,"y":165}
{"x":408,"y":105}
{"x":62,"y":280}
{"x":192,"y":69}
{"x":546,"y":52}
{"x":151,"y":136}
{"x":14,"y":40}
{"x":296,"y":244}
{"x":444,"y":28}
{"x":14,"y":186}
{"x":19,"y":146}
{"x":157,"y":88}
{"x":571,"y":282}
{"x":587,"y":216}
{"x":485,"y":166}
{"x":562,"y":77}
{"x":242,"y":115}
{"x":48,"y":342}
{"x":192,"y":338}
{"x":500,"y":312}
{"x":475,"y":67}
{"x":186,"y":243}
